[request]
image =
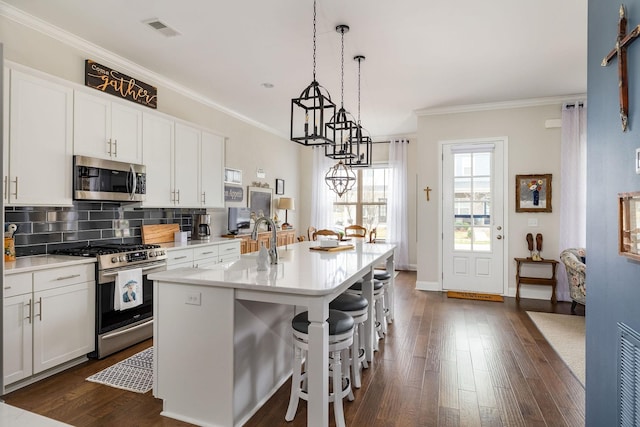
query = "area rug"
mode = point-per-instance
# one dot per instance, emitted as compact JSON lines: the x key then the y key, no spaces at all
{"x":566,"y":334}
{"x":475,"y":295}
{"x":132,"y":374}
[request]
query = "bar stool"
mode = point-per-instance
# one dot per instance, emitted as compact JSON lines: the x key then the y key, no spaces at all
{"x":355,"y":306}
{"x":385,"y":278}
{"x":341,"y":327}
{"x":378,"y":299}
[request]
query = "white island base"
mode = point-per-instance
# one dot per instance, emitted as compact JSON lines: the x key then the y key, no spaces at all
{"x":251,"y":355}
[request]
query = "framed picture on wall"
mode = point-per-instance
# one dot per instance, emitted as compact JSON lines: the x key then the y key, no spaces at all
{"x":279,"y":186}
{"x":259,"y":200}
{"x":233,"y":176}
{"x":533,"y":193}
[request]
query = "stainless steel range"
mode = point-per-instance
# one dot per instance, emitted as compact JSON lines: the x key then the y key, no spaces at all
{"x":118,"y":328}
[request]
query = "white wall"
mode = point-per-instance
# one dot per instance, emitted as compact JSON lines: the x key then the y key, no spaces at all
{"x":532,"y":149}
{"x":248,"y":147}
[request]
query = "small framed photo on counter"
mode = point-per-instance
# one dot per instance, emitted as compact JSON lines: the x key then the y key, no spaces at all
{"x":279,"y":186}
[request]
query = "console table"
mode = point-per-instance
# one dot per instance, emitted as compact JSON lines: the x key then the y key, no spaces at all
{"x":537,"y":280}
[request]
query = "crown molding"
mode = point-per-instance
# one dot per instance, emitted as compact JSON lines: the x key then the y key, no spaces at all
{"x":523,"y":103}
{"x":99,"y":53}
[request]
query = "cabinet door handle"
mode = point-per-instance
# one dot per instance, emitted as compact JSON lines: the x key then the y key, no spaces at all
{"x":178,"y":192}
{"x":16,"y":193}
{"x":115,"y":152}
{"x":71,"y":276}
{"x":109,"y":147}
{"x":7,"y":287}
{"x":40,"y":313}
{"x":6,"y":187}
{"x":204,"y":197}
{"x":207,"y":253}
{"x":180,"y":257}
{"x":230,"y":249}
{"x":173,"y":196}
{"x":30,"y":308}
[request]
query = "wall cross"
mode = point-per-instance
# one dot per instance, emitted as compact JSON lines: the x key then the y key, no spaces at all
{"x":427,"y":191}
{"x":620,"y":50}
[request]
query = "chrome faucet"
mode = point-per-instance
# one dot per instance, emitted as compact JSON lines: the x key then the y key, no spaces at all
{"x":273,"y":251}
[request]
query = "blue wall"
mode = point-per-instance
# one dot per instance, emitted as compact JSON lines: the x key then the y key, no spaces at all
{"x":613,"y":281}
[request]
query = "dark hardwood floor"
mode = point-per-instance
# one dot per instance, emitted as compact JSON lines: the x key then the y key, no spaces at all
{"x":444,"y":362}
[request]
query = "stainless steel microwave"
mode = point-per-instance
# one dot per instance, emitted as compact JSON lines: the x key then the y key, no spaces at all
{"x":110,"y":180}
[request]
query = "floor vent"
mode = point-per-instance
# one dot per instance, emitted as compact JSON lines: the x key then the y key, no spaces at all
{"x":628,"y":376}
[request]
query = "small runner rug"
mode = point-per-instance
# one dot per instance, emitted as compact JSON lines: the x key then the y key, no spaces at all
{"x":132,"y":374}
{"x":475,"y":295}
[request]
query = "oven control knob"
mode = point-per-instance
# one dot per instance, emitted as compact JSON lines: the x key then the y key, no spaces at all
{"x":114,"y":259}
{"x":122,"y":258}
{"x":151,"y":254}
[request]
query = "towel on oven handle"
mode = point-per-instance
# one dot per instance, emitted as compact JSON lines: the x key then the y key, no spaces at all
{"x":128,"y":289}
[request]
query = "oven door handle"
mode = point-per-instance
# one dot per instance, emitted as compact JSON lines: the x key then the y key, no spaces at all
{"x":150,"y":267}
{"x":115,"y":334}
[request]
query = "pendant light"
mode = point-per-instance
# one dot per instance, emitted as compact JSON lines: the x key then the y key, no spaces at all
{"x":341,"y":124}
{"x":310,"y":110}
{"x":362,"y":139}
{"x":340,"y":178}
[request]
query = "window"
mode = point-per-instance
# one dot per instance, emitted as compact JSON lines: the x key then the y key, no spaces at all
{"x":366,"y":203}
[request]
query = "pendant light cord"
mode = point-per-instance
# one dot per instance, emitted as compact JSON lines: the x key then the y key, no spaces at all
{"x":342,"y":73}
{"x":359,"y":61}
{"x":314,"y":40}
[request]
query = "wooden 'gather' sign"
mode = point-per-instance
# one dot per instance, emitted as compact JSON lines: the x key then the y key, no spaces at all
{"x":118,"y":84}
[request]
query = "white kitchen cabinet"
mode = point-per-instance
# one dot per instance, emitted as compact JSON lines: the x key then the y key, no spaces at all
{"x":106,"y":129}
{"x":48,"y":319}
{"x":205,"y":256}
{"x":177,"y":258}
{"x":157,"y":147}
{"x":212,"y":170}
{"x":39,"y":138}
{"x":186,"y":154}
{"x":17,"y":338}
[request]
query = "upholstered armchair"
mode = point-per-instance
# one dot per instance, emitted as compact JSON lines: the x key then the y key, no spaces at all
{"x":574,"y":262}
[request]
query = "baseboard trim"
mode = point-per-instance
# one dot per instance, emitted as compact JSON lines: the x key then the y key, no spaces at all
{"x":428,"y":286}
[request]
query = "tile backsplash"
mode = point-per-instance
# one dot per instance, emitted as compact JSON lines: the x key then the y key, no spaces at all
{"x":44,"y":229}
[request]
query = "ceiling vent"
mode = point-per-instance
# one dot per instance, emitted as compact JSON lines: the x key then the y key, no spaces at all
{"x":161,"y":27}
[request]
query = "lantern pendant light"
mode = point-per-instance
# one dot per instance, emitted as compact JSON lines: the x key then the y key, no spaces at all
{"x":362,"y":139}
{"x":312,"y":108}
{"x":341,"y":124}
{"x":340,"y":178}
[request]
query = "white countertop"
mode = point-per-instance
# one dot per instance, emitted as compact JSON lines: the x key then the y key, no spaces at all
{"x":27,"y":264}
{"x":300,"y":270}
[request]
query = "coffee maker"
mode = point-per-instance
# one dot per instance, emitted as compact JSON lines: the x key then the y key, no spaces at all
{"x":201,"y":227}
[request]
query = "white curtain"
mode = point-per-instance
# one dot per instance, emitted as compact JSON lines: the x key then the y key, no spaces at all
{"x":397,"y":215}
{"x":573,"y":186}
{"x":321,"y":194}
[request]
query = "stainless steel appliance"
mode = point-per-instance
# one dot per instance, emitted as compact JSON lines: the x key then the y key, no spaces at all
{"x":201,"y":227}
{"x":118,"y":329}
{"x":100,"y":179}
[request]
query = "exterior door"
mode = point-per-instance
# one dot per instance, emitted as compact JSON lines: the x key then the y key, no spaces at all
{"x":473,"y":216}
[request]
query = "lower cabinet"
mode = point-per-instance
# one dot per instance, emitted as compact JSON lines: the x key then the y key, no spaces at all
{"x":247,"y":245}
{"x":202,"y":256}
{"x":48,"y":319}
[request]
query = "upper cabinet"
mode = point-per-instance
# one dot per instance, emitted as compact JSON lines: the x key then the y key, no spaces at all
{"x":157,"y":146}
{"x":39,"y":138}
{"x":184,"y":164}
{"x":212,"y":170}
{"x":106,"y":129}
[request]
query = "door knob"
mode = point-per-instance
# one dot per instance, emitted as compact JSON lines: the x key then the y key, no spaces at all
{"x":499,"y":228}
{"x":499,"y":237}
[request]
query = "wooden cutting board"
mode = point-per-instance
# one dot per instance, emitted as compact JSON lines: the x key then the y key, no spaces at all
{"x":333,"y":249}
{"x":160,"y":233}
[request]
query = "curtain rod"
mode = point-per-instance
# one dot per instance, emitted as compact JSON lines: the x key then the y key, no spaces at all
{"x":386,"y":142}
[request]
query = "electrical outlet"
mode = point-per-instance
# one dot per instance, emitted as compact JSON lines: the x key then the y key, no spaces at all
{"x":532,"y":222}
{"x":194,"y":298}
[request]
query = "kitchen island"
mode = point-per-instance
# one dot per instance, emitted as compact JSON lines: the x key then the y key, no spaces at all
{"x":222,"y":334}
